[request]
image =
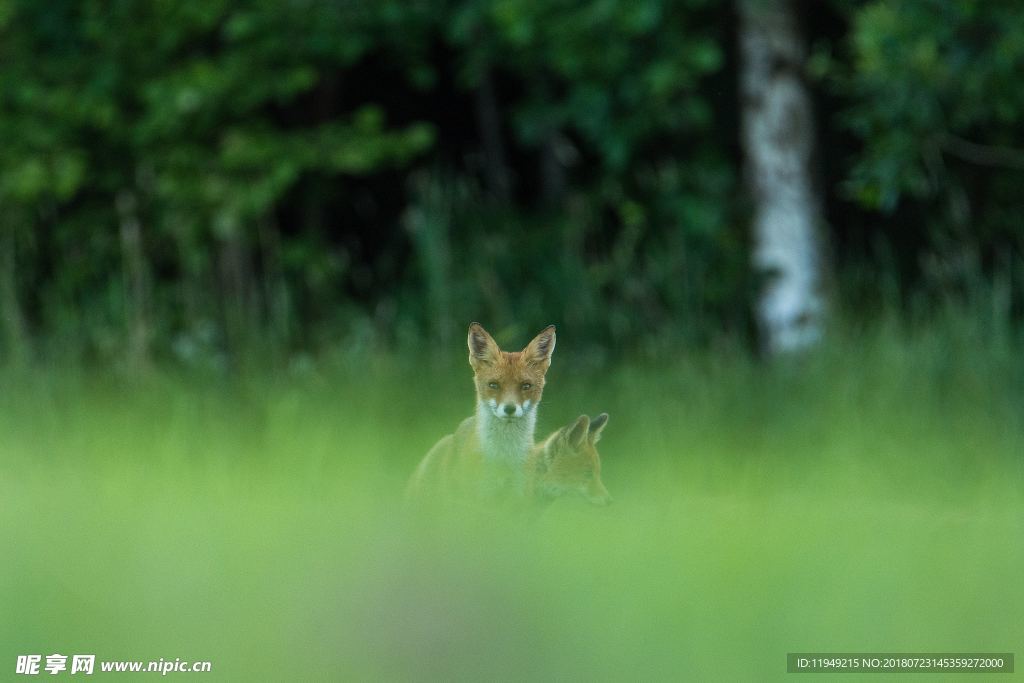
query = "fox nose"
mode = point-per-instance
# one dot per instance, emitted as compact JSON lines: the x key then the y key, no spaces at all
{"x":509,"y":409}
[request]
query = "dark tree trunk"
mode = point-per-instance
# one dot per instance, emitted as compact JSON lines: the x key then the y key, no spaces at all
{"x":275,"y":288}
{"x":238,"y":295}
{"x":14,"y":329}
{"x":136,"y":280}
{"x":489,"y":121}
{"x":552,"y":168}
{"x":430,"y":227}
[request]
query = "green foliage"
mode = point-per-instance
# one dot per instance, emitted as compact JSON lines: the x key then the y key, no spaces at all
{"x":184,"y":109}
{"x":306,"y":174}
{"x":606,"y":70}
{"x":924,"y":72}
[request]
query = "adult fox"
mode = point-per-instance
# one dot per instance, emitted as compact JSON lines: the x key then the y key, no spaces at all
{"x":485,"y":456}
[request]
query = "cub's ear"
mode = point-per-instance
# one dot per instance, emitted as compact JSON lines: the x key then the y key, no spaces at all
{"x":540,"y":349}
{"x":597,"y":426}
{"x":578,"y":431}
{"x":482,"y":347}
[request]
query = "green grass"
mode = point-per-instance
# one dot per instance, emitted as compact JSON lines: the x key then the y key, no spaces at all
{"x":866,"y":499}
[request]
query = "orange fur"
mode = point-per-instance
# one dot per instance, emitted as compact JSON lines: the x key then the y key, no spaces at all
{"x":567,"y":463}
{"x":484,"y":457}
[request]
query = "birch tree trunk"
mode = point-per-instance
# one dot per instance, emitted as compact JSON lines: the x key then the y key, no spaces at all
{"x":778,"y":140}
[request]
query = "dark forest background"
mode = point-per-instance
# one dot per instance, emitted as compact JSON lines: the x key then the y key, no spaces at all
{"x":188,"y":181}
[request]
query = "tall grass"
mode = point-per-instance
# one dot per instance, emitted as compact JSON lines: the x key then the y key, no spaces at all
{"x":867,"y":498}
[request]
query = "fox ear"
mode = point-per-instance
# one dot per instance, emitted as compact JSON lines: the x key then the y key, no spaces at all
{"x":540,"y":349}
{"x":482,"y":347}
{"x":578,"y":431}
{"x":597,"y":426}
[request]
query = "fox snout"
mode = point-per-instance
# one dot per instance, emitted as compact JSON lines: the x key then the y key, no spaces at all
{"x":509,"y":409}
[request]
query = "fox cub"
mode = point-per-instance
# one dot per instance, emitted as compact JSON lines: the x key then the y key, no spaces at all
{"x":485,"y":455}
{"x":567,"y":463}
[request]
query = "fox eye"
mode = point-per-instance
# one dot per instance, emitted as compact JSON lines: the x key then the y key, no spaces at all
{"x":526,"y":386}
{"x":492,"y":385}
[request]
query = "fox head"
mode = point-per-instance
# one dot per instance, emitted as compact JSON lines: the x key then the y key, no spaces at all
{"x":567,"y":462}
{"x":509,"y":383}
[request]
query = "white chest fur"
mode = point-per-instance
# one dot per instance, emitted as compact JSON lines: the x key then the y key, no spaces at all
{"x":503,"y":440}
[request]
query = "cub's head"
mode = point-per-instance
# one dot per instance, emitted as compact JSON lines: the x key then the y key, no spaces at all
{"x":567,"y":462}
{"x":509,"y":383}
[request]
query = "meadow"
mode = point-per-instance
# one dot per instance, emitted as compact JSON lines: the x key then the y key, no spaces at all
{"x":869,"y":497}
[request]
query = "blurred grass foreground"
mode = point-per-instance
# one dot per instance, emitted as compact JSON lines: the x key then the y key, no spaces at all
{"x":865,"y":498}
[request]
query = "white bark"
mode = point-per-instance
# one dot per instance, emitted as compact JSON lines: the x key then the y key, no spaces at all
{"x":778,"y":138}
